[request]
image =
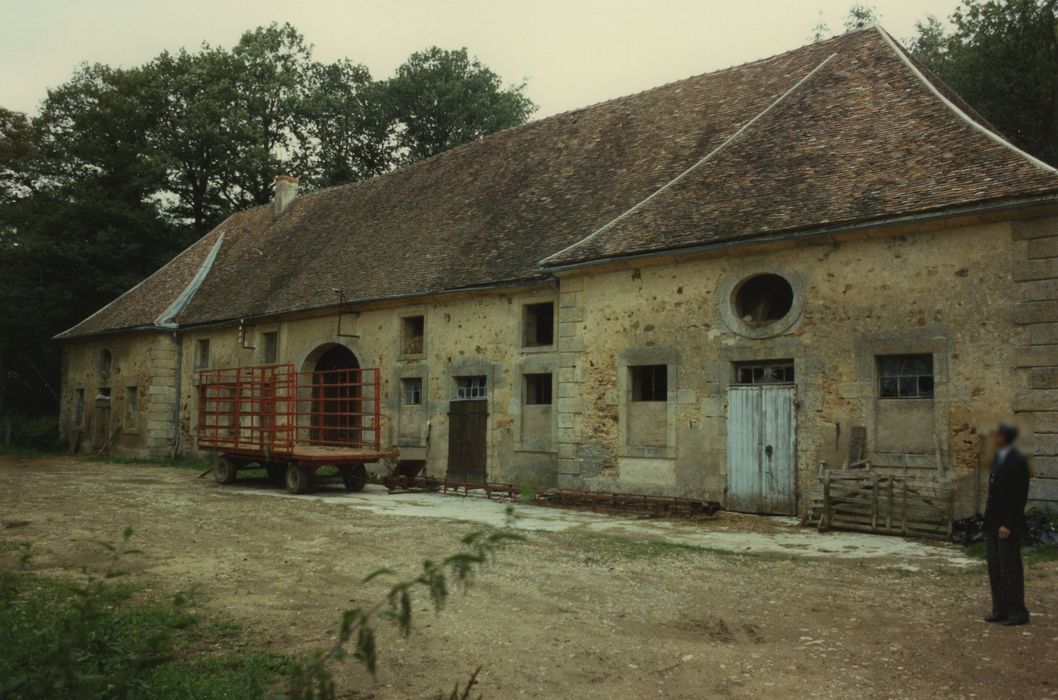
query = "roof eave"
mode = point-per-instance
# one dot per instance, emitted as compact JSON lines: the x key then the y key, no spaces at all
{"x":798,"y":234}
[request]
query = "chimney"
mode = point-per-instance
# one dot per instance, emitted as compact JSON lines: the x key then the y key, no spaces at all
{"x":286,"y":189}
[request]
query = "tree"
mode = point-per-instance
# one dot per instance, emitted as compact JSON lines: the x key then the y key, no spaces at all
{"x":442,"y":99}
{"x":123,"y":167}
{"x":350,"y":133}
{"x":821,"y":30}
{"x":860,"y":16}
{"x":16,"y":153}
{"x":272,"y":67}
{"x":1002,"y":58}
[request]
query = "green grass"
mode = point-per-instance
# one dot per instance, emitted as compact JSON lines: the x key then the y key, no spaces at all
{"x":102,"y":639}
{"x":22,"y":452}
{"x":1032,"y":556}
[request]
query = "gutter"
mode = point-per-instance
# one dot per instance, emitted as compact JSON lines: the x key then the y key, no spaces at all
{"x":177,"y":377}
{"x":1016,"y":205}
{"x":545,"y":281}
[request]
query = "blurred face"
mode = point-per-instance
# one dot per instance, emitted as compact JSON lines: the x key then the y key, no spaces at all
{"x":999,"y":440}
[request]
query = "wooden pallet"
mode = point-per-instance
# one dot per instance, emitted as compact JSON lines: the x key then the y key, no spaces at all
{"x":892,"y":504}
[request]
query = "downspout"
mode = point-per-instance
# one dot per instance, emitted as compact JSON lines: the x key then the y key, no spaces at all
{"x":175,"y":450}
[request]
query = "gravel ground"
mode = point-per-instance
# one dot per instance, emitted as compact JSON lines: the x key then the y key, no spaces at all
{"x":590,"y":606}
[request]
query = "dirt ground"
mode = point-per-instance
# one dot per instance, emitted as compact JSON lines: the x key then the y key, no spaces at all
{"x":590,"y":606}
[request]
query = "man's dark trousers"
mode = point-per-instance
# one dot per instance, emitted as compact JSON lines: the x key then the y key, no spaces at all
{"x":1006,"y":575}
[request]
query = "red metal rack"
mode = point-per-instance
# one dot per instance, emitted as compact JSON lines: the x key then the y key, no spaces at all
{"x":291,"y":422}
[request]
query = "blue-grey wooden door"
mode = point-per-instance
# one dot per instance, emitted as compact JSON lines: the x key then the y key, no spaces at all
{"x":761,"y":449}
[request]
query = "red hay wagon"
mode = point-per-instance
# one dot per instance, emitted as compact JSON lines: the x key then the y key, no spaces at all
{"x":291,"y":423}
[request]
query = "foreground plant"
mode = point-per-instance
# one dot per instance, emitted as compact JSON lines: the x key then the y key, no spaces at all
{"x":313,"y":678}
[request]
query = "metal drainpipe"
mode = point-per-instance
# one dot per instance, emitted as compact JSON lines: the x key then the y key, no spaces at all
{"x":177,"y":389}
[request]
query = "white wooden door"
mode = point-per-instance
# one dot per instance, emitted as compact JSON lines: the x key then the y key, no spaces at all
{"x":761,"y":449}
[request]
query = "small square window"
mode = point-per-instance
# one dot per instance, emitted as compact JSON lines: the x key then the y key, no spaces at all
{"x":202,"y":354}
{"x":538,"y":389}
{"x":412,"y":333}
{"x":475,"y":387}
{"x":411,"y":391}
{"x":650,"y":382}
{"x":905,"y":376}
{"x":270,"y":347}
{"x":539,"y":325}
{"x":132,"y":396}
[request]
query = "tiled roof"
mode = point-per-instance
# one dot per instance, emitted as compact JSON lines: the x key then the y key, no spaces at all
{"x":839,"y":131}
{"x":867,"y":136}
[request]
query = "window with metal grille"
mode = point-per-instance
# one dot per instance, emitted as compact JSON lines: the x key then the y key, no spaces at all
{"x":413,"y":333}
{"x":270,"y":347}
{"x":475,"y":387}
{"x":539,"y":325}
{"x":778,"y":372}
{"x":905,"y":376}
{"x":650,"y":382}
{"x":132,"y":395}
{"x":411,"y":391}
{"x":538,"y":389}
{"x":202,"y":354}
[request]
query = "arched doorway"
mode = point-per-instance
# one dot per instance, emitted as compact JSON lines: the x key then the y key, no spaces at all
{"x":335,"y":398}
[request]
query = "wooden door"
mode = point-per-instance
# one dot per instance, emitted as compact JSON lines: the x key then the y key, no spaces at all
{"x":467,"y":440}
{"x":761,"y":449}
{"x":102,"y":425}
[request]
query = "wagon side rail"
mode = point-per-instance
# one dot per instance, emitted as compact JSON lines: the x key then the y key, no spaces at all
{"x":273,"y":408}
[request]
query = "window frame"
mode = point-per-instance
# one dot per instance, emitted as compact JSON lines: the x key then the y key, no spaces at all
{"x":900,"y":375}
{"x":787,"y":366}
{"x":270,"y":347}
{"x":637,"y":392}
{"x":203,"y":359}
{"x":406,"y":321}
{"x":529,"y":313}
{"x":77,"y":419}
{"x":531,"y":396}
{"x":405,"y":383}
{"x":131,"y":422}
{"x":473,"y":390}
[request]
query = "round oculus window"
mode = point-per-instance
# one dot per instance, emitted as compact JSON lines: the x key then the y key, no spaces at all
{"x":763,"y":299}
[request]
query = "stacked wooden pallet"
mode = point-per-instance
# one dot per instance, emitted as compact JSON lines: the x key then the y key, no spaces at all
{"x":895,"y":504}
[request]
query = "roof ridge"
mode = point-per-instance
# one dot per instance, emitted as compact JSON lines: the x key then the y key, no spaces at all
{"x":960,"y":113}
{"x":729,"y":140}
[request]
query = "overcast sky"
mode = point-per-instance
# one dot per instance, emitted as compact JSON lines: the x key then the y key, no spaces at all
{"x":572,"y":52}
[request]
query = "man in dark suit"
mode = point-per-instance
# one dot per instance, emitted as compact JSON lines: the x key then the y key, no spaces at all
{"x":1008,"y":490}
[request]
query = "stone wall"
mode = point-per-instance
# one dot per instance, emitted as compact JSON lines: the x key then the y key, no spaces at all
{"x":1036,"y":272}
{"x":946,"y":292}
{"x":140,"y":363}
{"x":468,"y":335}
{"x":943,"y":292}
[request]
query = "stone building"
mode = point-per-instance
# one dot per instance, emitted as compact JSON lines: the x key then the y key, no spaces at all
{"x":705,"y":289}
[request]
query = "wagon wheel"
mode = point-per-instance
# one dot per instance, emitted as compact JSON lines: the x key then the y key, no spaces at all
{"x":226,"y":471}
{"x":277,"y":473}
{"x":299,"y":478}
{"x":354,"y":477}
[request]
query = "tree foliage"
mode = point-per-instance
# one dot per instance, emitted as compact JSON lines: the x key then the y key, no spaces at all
{"x":1001,"y":56}
{"x":124,"y":167}
{"x":441,"y":99}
